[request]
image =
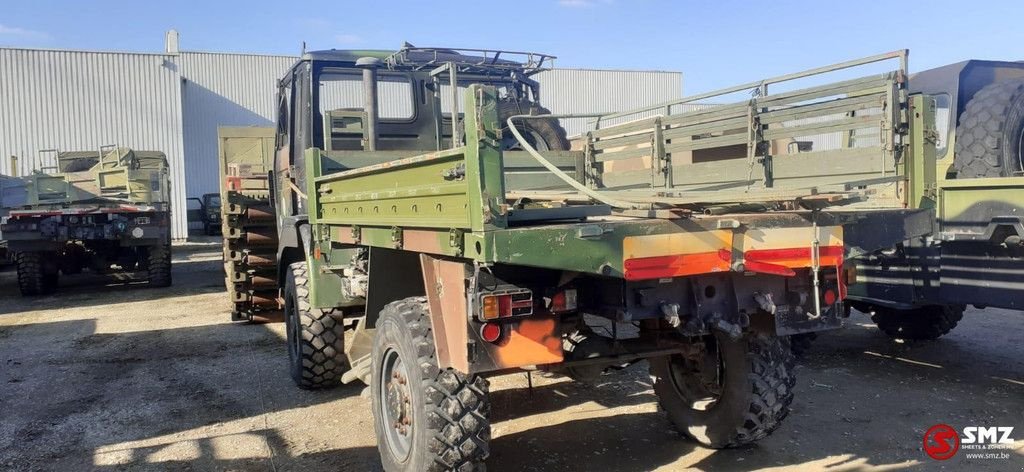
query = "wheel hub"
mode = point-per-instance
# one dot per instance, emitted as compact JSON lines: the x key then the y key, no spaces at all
{"x":698,"y":376}
{"x":396,"y":404}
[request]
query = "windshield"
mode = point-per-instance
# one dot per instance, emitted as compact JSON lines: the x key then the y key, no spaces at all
{"x":942,"y":124}
{"x":342,"y":89}
{"x":213,"y":201}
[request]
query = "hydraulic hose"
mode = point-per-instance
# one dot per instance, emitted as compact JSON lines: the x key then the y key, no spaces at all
{"x":612,"y":202}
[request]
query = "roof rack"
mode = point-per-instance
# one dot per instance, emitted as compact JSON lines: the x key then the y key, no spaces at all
{"x":473,"y":61}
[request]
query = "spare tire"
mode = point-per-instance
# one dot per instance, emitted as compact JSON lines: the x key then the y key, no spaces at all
{"x":990,"y":133}
{"x":81,"y":164}
{"x":544,"y":134}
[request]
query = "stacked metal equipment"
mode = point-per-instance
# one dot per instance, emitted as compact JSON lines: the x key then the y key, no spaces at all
{"x":250,"y":237}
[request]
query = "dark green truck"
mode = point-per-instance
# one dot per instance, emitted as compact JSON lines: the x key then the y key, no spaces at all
{"x":974,"y":255}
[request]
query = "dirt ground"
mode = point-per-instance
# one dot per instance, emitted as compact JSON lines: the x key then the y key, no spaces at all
{"x":115,"y":376}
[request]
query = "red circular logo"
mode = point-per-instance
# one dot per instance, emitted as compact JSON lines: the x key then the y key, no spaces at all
{"x":941,"y":442}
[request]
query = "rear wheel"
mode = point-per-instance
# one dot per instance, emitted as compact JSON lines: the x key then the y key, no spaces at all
{"x":426,"y":418}
{"x":316,"y":338}
{"x":735,"y":392}
{"x":924,"y":323}
{"x":990,"y":136}
{"x":158,"y":265}
{"x":36,"y":273}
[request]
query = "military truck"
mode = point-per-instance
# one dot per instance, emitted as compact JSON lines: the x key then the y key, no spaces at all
{"x":7,"y":182}
{"x":99,"y":210}
{"x":975,"y":255}
{"x":208,"y":213}
{"x":447,"y":224}
{"x":247,"y":222}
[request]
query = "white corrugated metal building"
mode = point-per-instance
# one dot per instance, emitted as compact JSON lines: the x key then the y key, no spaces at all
{"x":174,"y":102}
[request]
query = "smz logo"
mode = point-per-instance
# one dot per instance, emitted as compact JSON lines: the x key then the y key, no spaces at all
{"x":942,"y":441}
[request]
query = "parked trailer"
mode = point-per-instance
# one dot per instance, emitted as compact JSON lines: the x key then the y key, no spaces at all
{"x":106,"y":210}
{"x":460,"y":244}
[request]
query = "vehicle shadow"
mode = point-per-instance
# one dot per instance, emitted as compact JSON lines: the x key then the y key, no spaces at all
{"x":75,"y":399}
{"x":191,"y":273}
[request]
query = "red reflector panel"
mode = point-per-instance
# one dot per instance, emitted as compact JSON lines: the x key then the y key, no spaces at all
{"x":490,"y":332}
{"x":830,"y":297}
{"x":677,"y":265}
{"x":766,"y":268}
{"x":796,"y":257}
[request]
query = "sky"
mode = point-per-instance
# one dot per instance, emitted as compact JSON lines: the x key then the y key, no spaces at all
{"x":714,"y":43}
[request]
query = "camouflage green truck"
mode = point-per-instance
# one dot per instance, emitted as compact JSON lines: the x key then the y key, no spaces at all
{"x":918,"y":290}
{"x":105,"y":210}
{"x":453,"y":232}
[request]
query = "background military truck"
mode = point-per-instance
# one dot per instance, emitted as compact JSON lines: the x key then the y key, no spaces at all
{"x":6,"y":182}
{"x":461,"y":244}
{"x":208,"y":213}
{"x":98,"y":210}
{"x":975,"y":255}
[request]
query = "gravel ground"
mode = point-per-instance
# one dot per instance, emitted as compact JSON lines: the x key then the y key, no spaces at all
{"x":111,"y":375}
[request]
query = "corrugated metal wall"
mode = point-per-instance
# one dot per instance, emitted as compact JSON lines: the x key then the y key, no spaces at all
{"x":223,"y":90}
{"x":174,"y":103}
{"x":602,"y":91}
{"x":73,"y":100}
{"x":238,"y":90}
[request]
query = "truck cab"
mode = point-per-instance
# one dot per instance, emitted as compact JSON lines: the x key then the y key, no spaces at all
{"x":391,"y":102}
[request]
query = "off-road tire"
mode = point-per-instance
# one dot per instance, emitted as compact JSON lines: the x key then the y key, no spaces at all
{"x":918,"y":324}
{"x":158,"y":265}
{"x":988,"y":138}
{"x":801,"y":343}
{"x":34,"y":278}
{"x":316,"y":337}
{"x":449,"y":425}
{"x":755,"y":394}
{"x":547,"y":129}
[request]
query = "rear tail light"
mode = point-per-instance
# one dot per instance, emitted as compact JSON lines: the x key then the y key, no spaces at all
{"x":563,"y":301}
{"x":506,"y":304}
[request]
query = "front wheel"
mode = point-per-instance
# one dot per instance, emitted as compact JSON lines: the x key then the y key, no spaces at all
{"x":316,"y":337}
{"x":731,"y":392}
{"x":426,"y":418}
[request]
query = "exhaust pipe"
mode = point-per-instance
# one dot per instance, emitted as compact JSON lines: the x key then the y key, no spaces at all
{"x":369,"y":66}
